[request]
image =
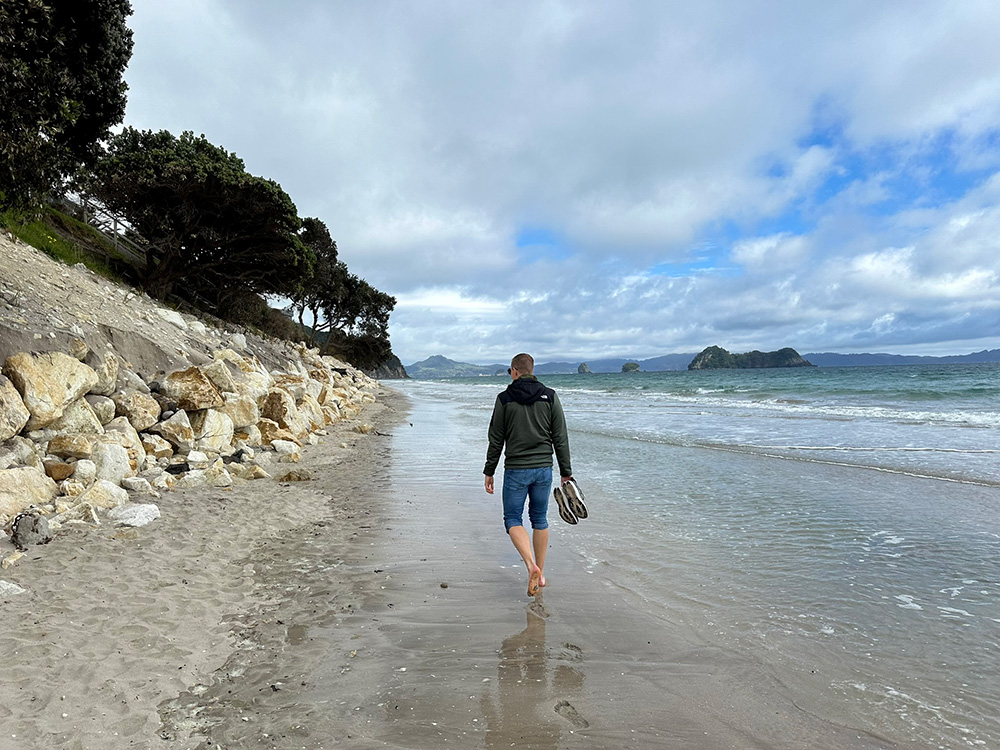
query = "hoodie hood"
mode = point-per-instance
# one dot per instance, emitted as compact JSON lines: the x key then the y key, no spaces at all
{"x":527,"y":390}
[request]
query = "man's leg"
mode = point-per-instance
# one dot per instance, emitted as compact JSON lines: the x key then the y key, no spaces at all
{"x":515,"y":492}
{"x":538,"y":505}
{"x":540,"y":543}
{"x":522,"y":543}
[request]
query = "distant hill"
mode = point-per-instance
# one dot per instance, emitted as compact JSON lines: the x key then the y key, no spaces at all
{"x":441,"y":367}
{"x":717,"y":358}
{"x":830,"y":359}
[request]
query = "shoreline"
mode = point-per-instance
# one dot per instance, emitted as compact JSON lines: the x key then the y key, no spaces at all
{"x":120,"y":628}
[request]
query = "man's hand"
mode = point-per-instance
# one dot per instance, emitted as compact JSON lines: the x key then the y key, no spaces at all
{"x":488,"y":482}
{"x":563,"y":480}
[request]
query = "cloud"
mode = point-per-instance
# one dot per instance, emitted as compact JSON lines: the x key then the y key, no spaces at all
{"x":816,"y":175}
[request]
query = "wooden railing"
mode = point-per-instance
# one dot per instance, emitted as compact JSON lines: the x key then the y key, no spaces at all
{"x":127,"y":243}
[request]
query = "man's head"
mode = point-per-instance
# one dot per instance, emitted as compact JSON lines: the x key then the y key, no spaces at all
{"x":522,"y":364}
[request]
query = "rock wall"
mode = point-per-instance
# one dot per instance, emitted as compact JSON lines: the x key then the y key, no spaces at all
{"x":82,"y":429}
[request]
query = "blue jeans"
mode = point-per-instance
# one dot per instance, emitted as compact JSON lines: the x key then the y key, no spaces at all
{"x":532,"y":485}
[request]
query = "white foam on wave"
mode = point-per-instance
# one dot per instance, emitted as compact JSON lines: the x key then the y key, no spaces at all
{"x":908,"y":602}
{"x":952,"y":612}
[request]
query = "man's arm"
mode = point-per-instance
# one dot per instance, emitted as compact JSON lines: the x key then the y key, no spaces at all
{"x":496,"y":438}
{"x":560,"y":438}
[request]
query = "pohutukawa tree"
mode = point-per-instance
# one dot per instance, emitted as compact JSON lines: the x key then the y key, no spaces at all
{"x":343,"y":311}
{"x":61,"y":89}
{"x":212,"y":226}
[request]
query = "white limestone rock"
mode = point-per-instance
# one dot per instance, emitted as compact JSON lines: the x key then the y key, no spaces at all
{"x":79,"y":418}
{"x":213,"y":430}
{"x":103,"y":407}
{"x":192,"y":390}
{"x":104,"y":494}
{"x":176,"y":430}
{"x":106,"y":365}
{"x":48,"y":383}
{"x":112,"y":463}
{"x":134,"y":514}
{"x":141,"y":409}
{"x":14,"y":414}
{"x":24,"y":486}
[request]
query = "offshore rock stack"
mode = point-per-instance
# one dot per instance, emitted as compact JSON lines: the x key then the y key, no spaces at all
{"x":81,"y":433}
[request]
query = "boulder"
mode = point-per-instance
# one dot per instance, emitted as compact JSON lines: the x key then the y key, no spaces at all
{"x":72,"y":446}
{"x":294,"y":385}
{"x":192,"y":390}
{"x":104,"y":408}
{"x":213,"y":430}
{"x":219,"y":374}
{"x":156,"y":446}
{"x":270,"y":431}
{"x":48,"y":383}
{"x":19,"y":451}
{"x":134,"y":514}
{"x":105,"y":366}
{"x":104,"y":494}
{"x":58,"y":470}
{"x":279,"y":407}
{"x":86,"y":472}
{"x":14,"y":414}
{"x":121,"y":431}
{"x":177,"y":431}
{"x":248,"y":437}
{"x":331,"y":412}
{"x":30,"y":529}
{"x":138,"y":484}
{"x":312,"y":413}
{"x":78,"y":418}
{"x":240,"y":408}
{"x":79,"y":512}
{"x":78,"y":348}
{"x":129,"y":381}
{"x":22,"y":487}
{"x":141,"y":409}
{"x":112,"y":462}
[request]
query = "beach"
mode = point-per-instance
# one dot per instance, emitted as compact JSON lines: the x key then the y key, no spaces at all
{"x":381,"y":605}
{"x":126,"y":637}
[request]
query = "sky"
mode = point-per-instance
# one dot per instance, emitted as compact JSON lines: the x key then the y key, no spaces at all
{"x":582,"y":179}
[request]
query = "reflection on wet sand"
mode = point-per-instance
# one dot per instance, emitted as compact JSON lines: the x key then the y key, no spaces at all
{"x":525,"y":708}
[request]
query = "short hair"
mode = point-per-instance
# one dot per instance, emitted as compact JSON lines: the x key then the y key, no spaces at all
{"x":523,"y":363}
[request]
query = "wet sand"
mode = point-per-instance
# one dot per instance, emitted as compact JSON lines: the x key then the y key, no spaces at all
{"x":379,"y":605}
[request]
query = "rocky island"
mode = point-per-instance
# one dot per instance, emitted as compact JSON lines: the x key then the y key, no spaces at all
{"x":717,"y":358}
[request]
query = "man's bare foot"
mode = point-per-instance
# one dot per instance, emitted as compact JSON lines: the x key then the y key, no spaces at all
{"x":541,"y":583}
{"x":534,"y":581}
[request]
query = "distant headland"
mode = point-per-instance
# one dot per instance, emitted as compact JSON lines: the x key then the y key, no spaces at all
{"x":717,"y":358}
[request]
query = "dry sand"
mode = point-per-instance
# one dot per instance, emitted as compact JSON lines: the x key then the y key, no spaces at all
{"x":124,"y":637}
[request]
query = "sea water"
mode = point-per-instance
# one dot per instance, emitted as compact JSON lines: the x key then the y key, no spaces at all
{"x":839,"y":527}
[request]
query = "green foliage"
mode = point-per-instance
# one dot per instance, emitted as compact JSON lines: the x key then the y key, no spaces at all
{"x":348,"y":314}
{"x":61,"y":89}
{"x":630,"y":367}
{"x":210,"y":224}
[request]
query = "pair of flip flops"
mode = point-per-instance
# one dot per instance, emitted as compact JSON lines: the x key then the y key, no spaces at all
{"x":569,"y":497}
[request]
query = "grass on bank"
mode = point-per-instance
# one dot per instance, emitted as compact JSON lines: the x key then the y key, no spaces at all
{"x":63,"y":238}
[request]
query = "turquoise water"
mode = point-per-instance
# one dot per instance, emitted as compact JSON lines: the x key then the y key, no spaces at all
{"x":837,"y":526}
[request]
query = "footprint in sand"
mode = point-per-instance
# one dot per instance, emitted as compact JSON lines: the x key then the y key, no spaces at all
{"x":566,"y":710}
{"x":570,"y":652}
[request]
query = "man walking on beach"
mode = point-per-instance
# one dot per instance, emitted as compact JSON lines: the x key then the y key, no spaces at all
{"x":527,"y":425}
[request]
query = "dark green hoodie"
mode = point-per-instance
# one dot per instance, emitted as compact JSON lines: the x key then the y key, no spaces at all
{"x":527,"y":425}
